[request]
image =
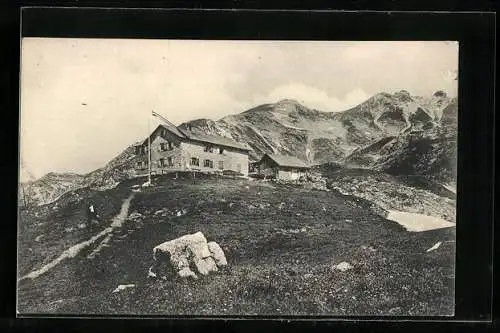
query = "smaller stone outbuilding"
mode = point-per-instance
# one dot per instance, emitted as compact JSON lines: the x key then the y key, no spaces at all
{"x":282,"y":167}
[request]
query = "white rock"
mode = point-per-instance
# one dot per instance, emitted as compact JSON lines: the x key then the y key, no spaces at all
{"x":344,"y":266}
{"x":183,"y":250}
{"x":151,"y":273}
{"x":123,"y":287}
{"x":217,"y":253}
{"x":135,"y":216}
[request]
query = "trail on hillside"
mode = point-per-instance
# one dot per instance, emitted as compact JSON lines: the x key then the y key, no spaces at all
{"x":75,"y":249}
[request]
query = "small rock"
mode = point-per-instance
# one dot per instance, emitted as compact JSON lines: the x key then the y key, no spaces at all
{"x":135,"y":216}
{"x":395,"y":310}
{"x":123,"y":287}
{"x":343,"y":266}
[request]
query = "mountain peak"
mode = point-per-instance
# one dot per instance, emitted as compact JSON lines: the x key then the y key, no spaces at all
{"x":440,"y":93}
{"x":288,"y":101}
{"x":287,"y":105}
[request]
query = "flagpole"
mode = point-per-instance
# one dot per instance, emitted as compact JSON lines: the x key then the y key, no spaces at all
{"x":24,"y":196}
{"x":149,"y":149}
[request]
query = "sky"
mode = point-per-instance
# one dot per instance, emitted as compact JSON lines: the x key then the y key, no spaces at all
{"x":85,"y":100}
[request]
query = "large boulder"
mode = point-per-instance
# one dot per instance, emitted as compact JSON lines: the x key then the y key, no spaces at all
{"x":188,"y":256}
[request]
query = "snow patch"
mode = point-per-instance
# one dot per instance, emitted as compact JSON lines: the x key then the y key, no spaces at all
{"x":434,"y":247}
{"x":418,"y":222}
{"x":450,"y":188}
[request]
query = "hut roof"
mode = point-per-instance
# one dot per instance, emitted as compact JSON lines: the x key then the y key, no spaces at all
{"x":288,"y":161}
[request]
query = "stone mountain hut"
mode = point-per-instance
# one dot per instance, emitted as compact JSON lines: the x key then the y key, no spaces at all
{"x":282,"y":167}
{"x":173,"y":150}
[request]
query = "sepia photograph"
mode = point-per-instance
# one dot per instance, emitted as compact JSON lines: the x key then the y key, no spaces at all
{"x":237,"y":177}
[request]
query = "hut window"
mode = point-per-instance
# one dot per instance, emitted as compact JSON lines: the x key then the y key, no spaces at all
{"x":169,"y":161}
{"x":195,"y":161}
{"x":208,"y":164}
{"x":221,"y":165}
{"x":166,"y":146}
{"x":162,"y":162}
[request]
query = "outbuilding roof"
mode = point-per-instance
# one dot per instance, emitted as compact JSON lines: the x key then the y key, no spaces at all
{"x":288,"y":161}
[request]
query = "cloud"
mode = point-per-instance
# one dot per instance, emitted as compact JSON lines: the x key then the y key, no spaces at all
{"x":315,"y":97}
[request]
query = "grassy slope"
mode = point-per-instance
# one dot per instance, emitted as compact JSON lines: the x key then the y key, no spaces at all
{"x":58,"y":228}
{"x":274,"y":267}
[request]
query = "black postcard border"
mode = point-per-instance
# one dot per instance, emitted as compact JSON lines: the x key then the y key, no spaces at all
{"x":474,"y":31}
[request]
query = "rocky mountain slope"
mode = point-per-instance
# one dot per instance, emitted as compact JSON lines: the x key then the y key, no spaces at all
{"x":397,"y":133}
{"x":287,"y":127}
{"x":49,"y":187}
{"x":429,"y":151}
{"x":53,"y":185}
